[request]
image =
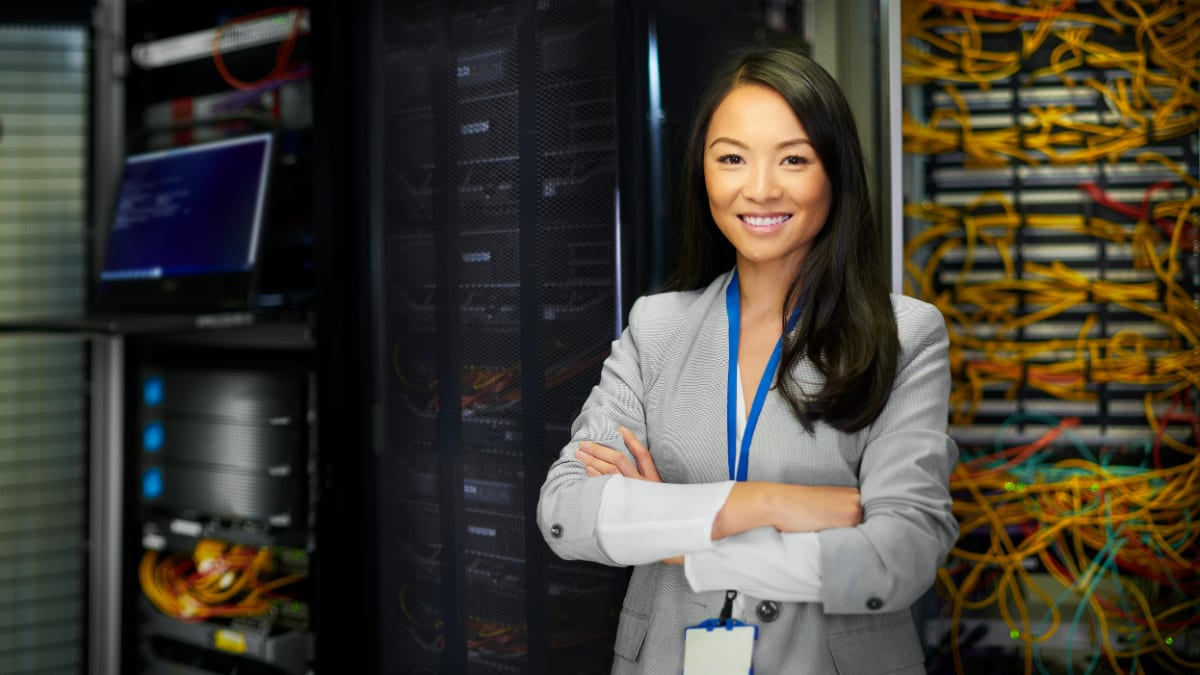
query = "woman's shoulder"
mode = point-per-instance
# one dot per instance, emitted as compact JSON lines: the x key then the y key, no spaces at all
{"x":917,"y":321}
{"x":906,"y":306}
{"x":676,"y":309}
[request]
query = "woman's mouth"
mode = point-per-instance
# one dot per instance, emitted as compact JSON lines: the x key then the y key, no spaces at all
{"x":765,"y":221}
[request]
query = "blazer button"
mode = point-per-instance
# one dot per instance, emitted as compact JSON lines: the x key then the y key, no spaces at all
{"x":874,"y":603}
{"x":767,"y":611}
{"x":556,"y":531}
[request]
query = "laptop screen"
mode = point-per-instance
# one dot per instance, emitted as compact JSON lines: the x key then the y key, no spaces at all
{"x":187,"y":225}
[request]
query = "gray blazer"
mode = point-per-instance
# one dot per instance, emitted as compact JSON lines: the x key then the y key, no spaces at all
{"x":666,"y":381}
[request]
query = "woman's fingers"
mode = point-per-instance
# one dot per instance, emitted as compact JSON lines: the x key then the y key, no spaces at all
{"x":641,"y":455}
{"x":594,"y":465}
{"x":601,"y":460}
{"x":604,"y":460}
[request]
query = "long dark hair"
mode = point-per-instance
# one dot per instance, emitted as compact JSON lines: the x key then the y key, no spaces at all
{"x":847,"y":328}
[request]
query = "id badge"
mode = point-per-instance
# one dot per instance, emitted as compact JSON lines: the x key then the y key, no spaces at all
{"x":719,"y":647}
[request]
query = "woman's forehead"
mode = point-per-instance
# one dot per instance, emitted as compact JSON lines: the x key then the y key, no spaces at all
{"x":754,"y":111}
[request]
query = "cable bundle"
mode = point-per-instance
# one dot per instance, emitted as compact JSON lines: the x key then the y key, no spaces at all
{"x":1157,"y":100}
{"x":218,"y":580}
{"x":1119,"y":541}
{"x":985,"y":316}
{"x":1064,"y":291}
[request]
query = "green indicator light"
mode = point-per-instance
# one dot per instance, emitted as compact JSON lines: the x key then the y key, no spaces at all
{"x":1095,"y":487}
{"x":1009,"y":486}
{"x":1170,"y":641}
{"x":1014,"y":634}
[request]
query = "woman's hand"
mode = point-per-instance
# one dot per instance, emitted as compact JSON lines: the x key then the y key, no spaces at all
{"x":787,"y":508}
{"x":601,"y":460}
{"x":811,"y":508}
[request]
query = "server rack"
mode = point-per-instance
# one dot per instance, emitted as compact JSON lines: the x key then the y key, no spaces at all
{"x":221,"y":567}
{"x":500,"y":292}
{"x":518,"y":177}
{"x":1050,"y":213}
{"x":225,"y":477}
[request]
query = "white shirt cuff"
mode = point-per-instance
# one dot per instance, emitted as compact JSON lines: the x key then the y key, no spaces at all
{"x":762,"y":562}
{"x":641,"y":522}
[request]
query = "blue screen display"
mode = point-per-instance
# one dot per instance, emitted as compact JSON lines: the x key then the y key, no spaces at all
{"x":191,"y":210}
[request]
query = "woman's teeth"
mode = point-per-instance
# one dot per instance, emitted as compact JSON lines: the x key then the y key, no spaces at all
{"x":765,"y":221}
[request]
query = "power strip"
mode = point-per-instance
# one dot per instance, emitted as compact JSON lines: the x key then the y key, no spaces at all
{"x":241,"y":35}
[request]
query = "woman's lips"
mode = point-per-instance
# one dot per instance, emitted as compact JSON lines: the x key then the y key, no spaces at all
{"x":765,"y":221}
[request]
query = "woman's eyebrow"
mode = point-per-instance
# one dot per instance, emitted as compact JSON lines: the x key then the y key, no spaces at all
{"x":731,"y":141}
{"x":783,"y":144}
{"x":794,"y":141}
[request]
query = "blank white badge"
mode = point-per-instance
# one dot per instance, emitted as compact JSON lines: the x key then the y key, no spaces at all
{"x":720,"y":650}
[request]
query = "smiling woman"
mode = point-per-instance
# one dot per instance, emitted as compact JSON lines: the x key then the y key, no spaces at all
{"x":767,"y":441}
{"x":769,"y":197}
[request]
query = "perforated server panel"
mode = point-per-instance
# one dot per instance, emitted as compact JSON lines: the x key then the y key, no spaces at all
{"x":500,"y":283}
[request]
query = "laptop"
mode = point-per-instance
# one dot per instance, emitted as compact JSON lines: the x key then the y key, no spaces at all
{"x":181,"y":249}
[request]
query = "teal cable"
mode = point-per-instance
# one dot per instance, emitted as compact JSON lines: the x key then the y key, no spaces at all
{"x":1103,"y":558}
{"x":1109,"y":558}
{"x":1116,"y":572}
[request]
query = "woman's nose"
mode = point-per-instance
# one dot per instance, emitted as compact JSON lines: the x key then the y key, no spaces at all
{"x":762,"y":184}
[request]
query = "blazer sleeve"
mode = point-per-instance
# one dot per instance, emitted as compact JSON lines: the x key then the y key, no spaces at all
{"x":888,"y":561}
{"x":891,"y":559}
{"x":569,"y":501}
{"x":640,"y":521}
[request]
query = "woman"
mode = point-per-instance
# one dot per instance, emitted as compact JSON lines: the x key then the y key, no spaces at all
{"x":804,"y":468}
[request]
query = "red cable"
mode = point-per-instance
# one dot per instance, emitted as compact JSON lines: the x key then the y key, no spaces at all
{"x":1102,"y":198}
{"x":283,"y":53}
{"x":1064,"y":6}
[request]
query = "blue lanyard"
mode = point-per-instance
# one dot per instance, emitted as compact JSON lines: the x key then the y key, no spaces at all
{"x":733,"y":308}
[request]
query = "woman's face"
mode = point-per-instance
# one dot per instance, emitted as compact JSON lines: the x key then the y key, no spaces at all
{"x":767,"y":188}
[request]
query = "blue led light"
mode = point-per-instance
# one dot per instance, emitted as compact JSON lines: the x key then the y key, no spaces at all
{"x":152,"y":483}
{"x":152,"y":437}
{"x":152,"y":391}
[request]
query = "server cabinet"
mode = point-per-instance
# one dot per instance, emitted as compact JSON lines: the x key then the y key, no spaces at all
{"x":498,"y":297}
{"x":220,"y":518}
{"x":518,"y":172}
{"x":224,"y":478}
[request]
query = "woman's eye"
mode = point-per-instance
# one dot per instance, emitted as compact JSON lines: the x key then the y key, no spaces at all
{"x":730,"y":159}
{"x":795,"y":160}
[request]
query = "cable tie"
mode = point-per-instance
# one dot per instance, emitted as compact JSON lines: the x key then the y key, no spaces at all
{"x":1150,"y":365}
{"x":1087,"y":367}
{"x":1150,"y":130}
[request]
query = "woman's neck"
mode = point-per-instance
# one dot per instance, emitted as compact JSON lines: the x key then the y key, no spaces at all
{"x":762,"y":289}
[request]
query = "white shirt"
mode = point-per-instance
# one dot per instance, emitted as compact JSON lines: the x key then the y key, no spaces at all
{"x":642,"y":522}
